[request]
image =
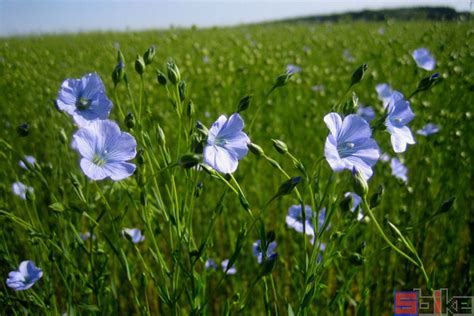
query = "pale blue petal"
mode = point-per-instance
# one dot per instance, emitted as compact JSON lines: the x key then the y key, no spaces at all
{"x":424,"y":59}
{"x":353,"y":127}
{"x":400,"y":137}
{"x":215,"y":128}
{"x":119,"y":170}
{"x":67,"y":95}
{"x":93,"y":171}
{"x":121,"y":148}
{"x":334,"y":123}
{"x":237,"y":145}
{"x":220,"y":159}
{"x":234,"y":125}
{"x":332,"y":155}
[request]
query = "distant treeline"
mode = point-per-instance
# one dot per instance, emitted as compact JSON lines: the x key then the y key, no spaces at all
{"x":420,"y":13}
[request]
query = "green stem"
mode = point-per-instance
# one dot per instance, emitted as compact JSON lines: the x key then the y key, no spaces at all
{"x":367,"y":209}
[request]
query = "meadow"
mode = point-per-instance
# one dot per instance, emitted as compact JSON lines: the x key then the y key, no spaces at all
{"x":415,"y":233}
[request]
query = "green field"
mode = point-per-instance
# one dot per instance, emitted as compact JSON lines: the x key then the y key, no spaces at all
{"x":165,"y":274}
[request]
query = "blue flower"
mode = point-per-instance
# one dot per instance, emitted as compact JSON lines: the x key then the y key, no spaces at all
{"x":231,"y":270}
{"x":424,"y":59}
{"x":366,"y":112}
{"x":428,"y":129}
{"x":210,"y":263}
{"x":135,"y":234}
{"x":270,"y":253}
{"x":294,"y":219}
{"x":384,"y":157}
{"x":84,"y":99}
{"x":86,"y":236}
{"x":356,"y":200}
{"x":105,"y":150}
{"x":21,"y":189}
{"x":226,"y":144}
{"x":24,"y":278}
{"x":384,"y":93}
{"x":292,"y":69}
{"x":349,"y":144}
{"x":399,"y":170}
{"x":27,"y":160}
{"x":399,"y":115}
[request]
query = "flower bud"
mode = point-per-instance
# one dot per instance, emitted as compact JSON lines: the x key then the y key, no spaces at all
{"x":118,"y":73}
{"x":63,"y":137}
{"x":130,"y":120}
{"x":182,"y":90}
{"x":140,"y":65}
{"x":189,"y":160}
{"x":255,"y":149}
{"x":198,"y":189}
{"x":360,"y":184}
{"x":140,"y":156}
{"x":149,"y":54}
{"x":358,"y":74}
{"x":23,"y":130}
{"x":173,"y":73}
{"x":376,"y":197}
{"x":202,"y":129}
{"x":244,"y":103}
{"x":428,"y":82}
{"x":190,"y":109}
{"x":282,"y":79}
{"x":161,"y":78}
{"x":160,"y":135}
{"x":288,"y":186}
{"x":280,"y":146}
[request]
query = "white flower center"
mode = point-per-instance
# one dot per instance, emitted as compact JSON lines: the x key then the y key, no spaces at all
{"x":100,"y":159}
{"x":83,"y":104}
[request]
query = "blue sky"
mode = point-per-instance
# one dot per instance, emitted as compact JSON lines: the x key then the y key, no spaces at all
{"x":19,"y":17}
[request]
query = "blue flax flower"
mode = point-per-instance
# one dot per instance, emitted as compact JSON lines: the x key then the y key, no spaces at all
{"x":226,"y":144}
{"x":105,"y":150}
{"x":21,"y":190}
{"x":84,"y":99}
{"x":424,"y":59}
{"x":135,"y":234}
{"x":399,"y":170}
{"x":257,"y":250}
{"x":399,"y":115}
{"x":27,"y":160}
{"x":428,"y":129}
{"x":349,"y":144}
{"x":231,"y":270}
{"x":384,"y":93}
{"x":294,"y":219}
{"x":366,"y":112}
{"x":293,"y":69}
{"x":24,"y":278}
{"x":210,"y":263}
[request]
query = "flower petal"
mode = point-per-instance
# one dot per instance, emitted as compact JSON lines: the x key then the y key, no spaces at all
{"x":333,"y":122}
{"x":92,"y":171}
{"x":353,"y":127}
{"x":332,"y":155}
{"x":234,"y":125}
{"x":220,"y":159}
{"x":119,"y":170}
